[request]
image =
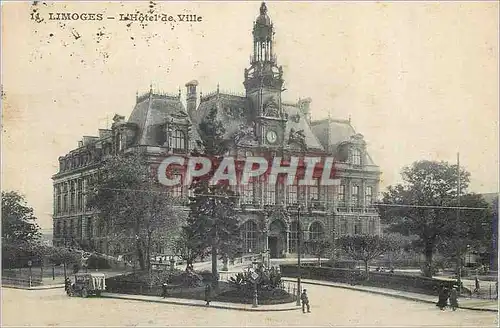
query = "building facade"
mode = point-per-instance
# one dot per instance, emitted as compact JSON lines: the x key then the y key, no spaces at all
{"x":258,"y":123}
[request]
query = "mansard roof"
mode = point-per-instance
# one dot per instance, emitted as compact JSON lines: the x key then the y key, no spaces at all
{"x":232,"y":111}
{"x":153,"y":111}
{"x":298,"y":121}
{"x":332,"y":133}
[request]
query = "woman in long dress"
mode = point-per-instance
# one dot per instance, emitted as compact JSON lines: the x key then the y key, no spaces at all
{"x":454,"y":299}
{"x":442,"y":298}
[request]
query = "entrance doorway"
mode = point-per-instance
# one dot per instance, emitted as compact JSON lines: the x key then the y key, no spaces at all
{"x":273,"y":246}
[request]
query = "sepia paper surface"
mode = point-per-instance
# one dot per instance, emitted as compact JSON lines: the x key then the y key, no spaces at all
{"x":419,"y":80}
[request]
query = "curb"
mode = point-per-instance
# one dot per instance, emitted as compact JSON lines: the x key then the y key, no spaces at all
{"x":163,"y":301}
{"x":410,"y":298}
{"x":33,"y":288}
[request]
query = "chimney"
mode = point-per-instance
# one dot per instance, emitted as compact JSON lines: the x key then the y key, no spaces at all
{"x":191,"y":97}
{"x":304,"y":105}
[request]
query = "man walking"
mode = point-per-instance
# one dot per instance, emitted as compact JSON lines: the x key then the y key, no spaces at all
{"x":164,"y":290}
{"x":208,"y":291}
{"x":305,"y":302}
{"x":476,"y":290}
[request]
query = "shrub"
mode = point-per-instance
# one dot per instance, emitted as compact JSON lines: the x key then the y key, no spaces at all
{"x":98,"y":262}
{"x":268,"y":279}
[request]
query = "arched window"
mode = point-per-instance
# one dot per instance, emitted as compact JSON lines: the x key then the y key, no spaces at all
{"x":178,"y":140}
{"x":294,"y":240}
{"x":249,"y":232}
{"x":316,"y":231}
{"x":355,"y":156}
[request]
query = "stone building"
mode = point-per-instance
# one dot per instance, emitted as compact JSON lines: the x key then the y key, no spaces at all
{"x":259,"y":123}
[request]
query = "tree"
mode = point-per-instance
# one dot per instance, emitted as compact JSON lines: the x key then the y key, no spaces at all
{"x":432,"y":187}
{"x":20,"y":233}
{"x":133,"y":207}
{"x":470,"y":229}
{"x":212,"y":217}
{"x":365,"y":247}
{"x":319,"y":247}
{"x":63,"y":255}
{"x":18,"y":221}
{"x":189,"y":247}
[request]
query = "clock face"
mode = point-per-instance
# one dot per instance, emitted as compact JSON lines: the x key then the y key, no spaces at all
{"x":271,"y":136}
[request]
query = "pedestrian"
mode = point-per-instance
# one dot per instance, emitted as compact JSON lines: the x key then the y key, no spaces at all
{"x":164,"y":290}
{"x":476,"y":290}
{"x":208,"y":290}
{"x":442,"y":298}
{"x":305,"y":302}
{"x":454,"y":299}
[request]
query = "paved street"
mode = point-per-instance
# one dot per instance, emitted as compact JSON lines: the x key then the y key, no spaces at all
{"x":330,"y":306}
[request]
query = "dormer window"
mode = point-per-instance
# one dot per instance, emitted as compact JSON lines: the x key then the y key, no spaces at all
{"x":178,"y":140}
{"x":355,"y":157}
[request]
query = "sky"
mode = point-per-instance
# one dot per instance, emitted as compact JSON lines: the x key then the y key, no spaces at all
{"x":419,"y":80}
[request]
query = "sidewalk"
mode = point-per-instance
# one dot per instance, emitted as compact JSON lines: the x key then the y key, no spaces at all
{"x":200,"y":303}
{"x":34,"y":287}
{"x":464,"y":303}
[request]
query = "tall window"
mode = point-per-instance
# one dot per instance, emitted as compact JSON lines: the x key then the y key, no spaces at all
{"x":65,"y":197}
{"x":357,"y":227}
{"x":372,"y":227}
{"x":343,"y":226}
{"x":247,"y":193}
{"x":316,"y":231}
{"x":294,"y":240}
{"x":249,"y":231}
{"x":58,"y":229}
{"x":72,"y":199}
{"x":301,"y":195}
{"x":355,"y":196}
{"x":80,"y":227}
{"x":341,"y":194}
{"x":368,"y":196}
{"x":313,"y":195}
{"x":58,"y":201}
{"x":178,"y":140}
{"x":355,"y":156}
{"x":89,"y":228}
{"x":269,"y":194}
{"x":79,"y":199}
{"x":292,"y":194}
{"x":176,"y":191}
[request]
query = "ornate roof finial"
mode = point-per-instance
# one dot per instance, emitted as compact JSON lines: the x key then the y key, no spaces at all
{"x":263,"y":9}
{"x":179,"y":92}
{"x":349,"y":119}
{"x":217,"y":87}
{"x":151,"y":87}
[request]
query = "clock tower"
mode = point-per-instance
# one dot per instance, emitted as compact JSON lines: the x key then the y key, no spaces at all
{"x":264,"y":84}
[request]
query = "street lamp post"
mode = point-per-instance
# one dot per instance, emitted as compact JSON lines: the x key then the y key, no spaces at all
{"x":31,"y":276}
{"x":299,"y":239}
